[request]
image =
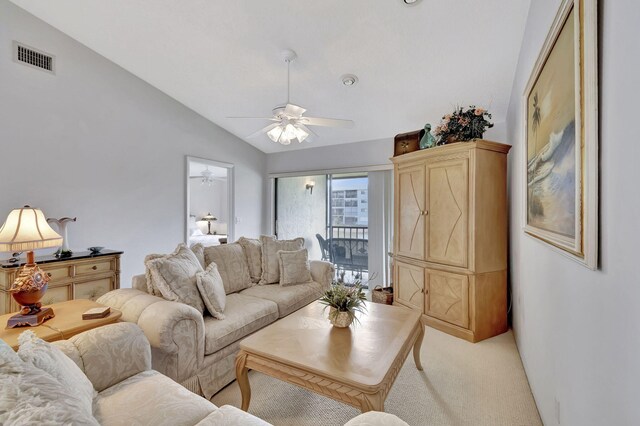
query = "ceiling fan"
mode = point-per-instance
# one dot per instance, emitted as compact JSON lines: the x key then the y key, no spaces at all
{"x":289,"y":121}
{"x":207,"y":177}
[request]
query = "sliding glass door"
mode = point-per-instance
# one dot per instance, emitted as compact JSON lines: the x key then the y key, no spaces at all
{"x":344,"y":219}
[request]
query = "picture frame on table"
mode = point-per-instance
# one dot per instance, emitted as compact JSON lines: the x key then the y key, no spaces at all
{"x":561,"y":136}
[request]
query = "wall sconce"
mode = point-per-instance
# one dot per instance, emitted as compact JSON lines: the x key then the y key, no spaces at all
{"x":310,"y":186}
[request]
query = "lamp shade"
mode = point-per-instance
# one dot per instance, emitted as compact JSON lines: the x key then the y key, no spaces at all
{"x":209,"y":217}
{"x":27,"y":229}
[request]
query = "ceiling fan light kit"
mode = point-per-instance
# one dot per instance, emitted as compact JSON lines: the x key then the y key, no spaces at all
{"x":289,"y":124}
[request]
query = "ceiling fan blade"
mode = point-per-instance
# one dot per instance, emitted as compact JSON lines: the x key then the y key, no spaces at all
{"x":306,"y":129}
{"x":326,"y":122}
{"x":294,"y":110}
{"x":254,"y":118}
{"x":263,"y":130}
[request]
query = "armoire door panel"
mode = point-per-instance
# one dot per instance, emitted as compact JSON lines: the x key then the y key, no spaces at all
{"x":411,"y":202}
{"x":447,"y":297}
{"x":448,"y":212}
{"x":410,"y":285}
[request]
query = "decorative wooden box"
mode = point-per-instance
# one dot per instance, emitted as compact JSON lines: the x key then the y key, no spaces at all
{"x":405,"y":143}
{"x":81,"y":276}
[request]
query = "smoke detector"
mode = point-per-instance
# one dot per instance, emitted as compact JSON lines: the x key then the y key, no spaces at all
{"x":411,"y":2}
{"x":349,"y":80}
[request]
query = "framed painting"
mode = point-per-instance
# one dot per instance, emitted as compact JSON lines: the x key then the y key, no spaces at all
{"x":561,"y":134}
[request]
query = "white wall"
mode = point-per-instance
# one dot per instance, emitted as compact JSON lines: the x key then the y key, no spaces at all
{"x":578,"y":331}
{"x":357,"y":154}
{"x":98,"y":143}
{"x":301,"y":213}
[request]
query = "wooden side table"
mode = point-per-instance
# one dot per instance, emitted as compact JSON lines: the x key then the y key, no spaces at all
{"x":67,"y":323}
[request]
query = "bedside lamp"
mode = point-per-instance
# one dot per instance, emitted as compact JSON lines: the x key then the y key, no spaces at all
{"x":209,"y":218}
{"x":26,"y":229}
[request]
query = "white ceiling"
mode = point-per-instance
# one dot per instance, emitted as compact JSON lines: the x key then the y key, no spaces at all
{"x":222,"y":58}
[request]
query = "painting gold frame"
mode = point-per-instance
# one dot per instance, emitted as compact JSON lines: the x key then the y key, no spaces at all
{"x":572,"y":227}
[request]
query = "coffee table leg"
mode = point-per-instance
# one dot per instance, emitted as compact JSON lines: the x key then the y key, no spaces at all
{"x":243,"y":379}
{"x":416,"y":348}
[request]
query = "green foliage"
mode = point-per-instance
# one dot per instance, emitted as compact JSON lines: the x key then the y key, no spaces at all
{"x":463,"y":125}
{"x":344,"y":299}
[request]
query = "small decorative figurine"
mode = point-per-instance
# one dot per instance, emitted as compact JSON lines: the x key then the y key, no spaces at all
{"x":427,"y":141}
{"x":61,"y":223}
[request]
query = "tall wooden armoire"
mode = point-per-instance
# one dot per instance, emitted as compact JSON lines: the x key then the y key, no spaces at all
{"x":450,"y":241}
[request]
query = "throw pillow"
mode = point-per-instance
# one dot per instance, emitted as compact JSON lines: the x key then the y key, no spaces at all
{"x":253,"y":251}
{"x":211,"y":289}
{"x":147,"y":274}
{"x":198,"y":250}
{"x":270,"y":264}
{"x":30,"y":396}
{"x":174,"y":276}
{"x":232,"y":265}
{"x":53,"y":361}
{"x":294,"y":267}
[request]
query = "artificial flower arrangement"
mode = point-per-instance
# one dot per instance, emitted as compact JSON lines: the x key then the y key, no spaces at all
{"x":463,"y":125}
{"x":344,"y":302}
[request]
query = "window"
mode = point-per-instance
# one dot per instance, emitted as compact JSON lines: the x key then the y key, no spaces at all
{"x":351,"y":194}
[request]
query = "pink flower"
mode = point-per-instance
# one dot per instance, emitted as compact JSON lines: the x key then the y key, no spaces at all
{"x":464,"y":121}
{"x":444,"y":127}
{"x":480,"y":111}
{"x":447,"y":117}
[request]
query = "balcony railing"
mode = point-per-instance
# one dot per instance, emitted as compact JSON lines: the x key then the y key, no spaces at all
{"x":347,"y":247}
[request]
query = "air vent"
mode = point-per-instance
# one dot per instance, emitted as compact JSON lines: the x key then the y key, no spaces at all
{"x":26,"y":55}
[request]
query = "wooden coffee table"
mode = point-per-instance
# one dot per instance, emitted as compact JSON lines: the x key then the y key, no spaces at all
{"x":67,"y":322}
{"x":355,"y":365}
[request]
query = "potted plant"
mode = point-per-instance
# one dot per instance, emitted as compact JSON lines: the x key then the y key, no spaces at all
{"x":344,"y":302}
{"x":463,"y":125}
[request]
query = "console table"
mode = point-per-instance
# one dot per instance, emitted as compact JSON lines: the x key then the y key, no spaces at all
{"x":83,"y":275}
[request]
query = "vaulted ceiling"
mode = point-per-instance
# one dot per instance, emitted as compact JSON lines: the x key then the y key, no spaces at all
{"x":223,"y":58}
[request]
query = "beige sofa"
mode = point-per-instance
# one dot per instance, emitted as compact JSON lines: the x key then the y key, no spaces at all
{"x":117,"y":361}
{"x":199,"y":351}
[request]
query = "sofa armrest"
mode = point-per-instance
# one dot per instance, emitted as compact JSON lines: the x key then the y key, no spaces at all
{"x":174,"y":330}
{"x":376,"y":418}
{"x":139,"y":282}
{"x":228,"y":415}
{"x":322,"y":272}
{"x":109,"y":354}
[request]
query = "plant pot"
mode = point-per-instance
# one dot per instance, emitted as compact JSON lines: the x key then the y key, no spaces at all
{"x":340,"y":319}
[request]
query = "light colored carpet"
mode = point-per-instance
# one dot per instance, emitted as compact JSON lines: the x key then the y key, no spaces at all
{"x":462,"y":384}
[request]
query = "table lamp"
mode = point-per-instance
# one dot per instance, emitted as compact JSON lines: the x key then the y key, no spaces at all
{"x":26,"y":229}
{"x":209,"y":218}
